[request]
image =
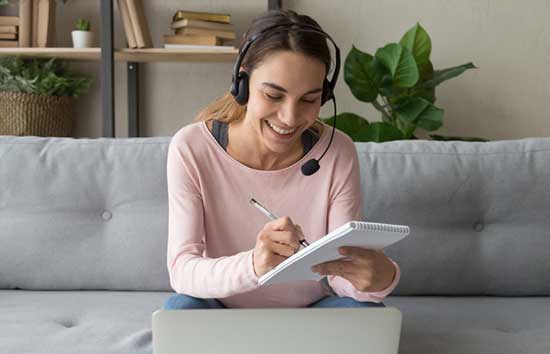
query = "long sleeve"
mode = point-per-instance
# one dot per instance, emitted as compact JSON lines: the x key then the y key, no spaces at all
{"x":346,"y":205}
{"x":190,"y":272}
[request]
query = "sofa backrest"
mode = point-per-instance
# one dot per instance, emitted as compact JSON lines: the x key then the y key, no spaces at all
{"x":92,"y":213}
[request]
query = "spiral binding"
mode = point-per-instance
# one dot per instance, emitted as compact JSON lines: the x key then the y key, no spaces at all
{"x":374,"y":226}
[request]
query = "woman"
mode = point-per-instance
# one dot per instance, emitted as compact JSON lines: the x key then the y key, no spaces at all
{"x":218,"y":243}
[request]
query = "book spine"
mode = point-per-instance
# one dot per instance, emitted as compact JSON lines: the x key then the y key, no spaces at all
{"x":139,"y":24}
{"x":8,"y":29}
{"x":25,"y":23}
{"x":34,"y":30}
{"x":202,"y":24}
{"x":206,"y":32}
{"x":204,"y":16}
{"x":9,"y":21}
{"x":125,"y":16}
{"x":8,"y":44}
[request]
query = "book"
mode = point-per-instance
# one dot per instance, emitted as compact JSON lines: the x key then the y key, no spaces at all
{"x":8,"y":43}
{"x":206,"y":32}
{"x":25,"y":23}
{"x":34,"y":25}
{"x":8,"y":35}
{"x":204,"y":16}
{"x":139,"y":23}
{"x":8,"y":29}
{"x":221,"y":48}
{"x":127,"y":24}
{"x":46,"y":10}
{"x":362,"y":234}
{"x":186,"y":22}
{"x":9,"y":20}
{"x":192,"y":39}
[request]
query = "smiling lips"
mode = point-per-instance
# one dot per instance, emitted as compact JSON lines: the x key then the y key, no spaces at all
{"x":280,"y":130}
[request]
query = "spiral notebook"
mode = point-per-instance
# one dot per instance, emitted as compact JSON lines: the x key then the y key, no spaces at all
{"x":353,"y":233}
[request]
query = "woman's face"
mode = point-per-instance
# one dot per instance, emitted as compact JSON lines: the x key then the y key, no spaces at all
{"x":285,"y":91}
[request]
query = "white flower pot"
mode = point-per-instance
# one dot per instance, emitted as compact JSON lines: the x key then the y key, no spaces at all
{"x":82,"y":39}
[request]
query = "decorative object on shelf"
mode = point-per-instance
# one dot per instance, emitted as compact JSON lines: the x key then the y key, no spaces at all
{"x":36,"y":96}
{"x":402,"y":75}
{"x":200,"y":30}
{"x":82,"y":36}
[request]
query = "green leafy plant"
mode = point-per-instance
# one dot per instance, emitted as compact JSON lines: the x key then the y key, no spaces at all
{"x":40,"y":76}
{"x":82,"y":25}
{"x":399,"y":81}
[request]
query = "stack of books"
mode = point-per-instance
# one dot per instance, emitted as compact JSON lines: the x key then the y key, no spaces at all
{"x":135,"y":24}
{"x":34,"y":27}
{"x":200,"y":30}
{"x":9,"y":31}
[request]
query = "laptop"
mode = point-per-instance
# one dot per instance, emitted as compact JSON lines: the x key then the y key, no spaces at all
{"x":359,"y":330}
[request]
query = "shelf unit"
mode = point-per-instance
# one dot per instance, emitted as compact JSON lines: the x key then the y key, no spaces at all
{"x":107,"y":55}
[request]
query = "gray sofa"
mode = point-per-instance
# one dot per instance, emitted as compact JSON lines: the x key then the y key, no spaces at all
{"x":83,"y":231}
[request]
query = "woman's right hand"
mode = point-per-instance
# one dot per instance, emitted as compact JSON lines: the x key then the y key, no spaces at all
{"x":278,"y":240}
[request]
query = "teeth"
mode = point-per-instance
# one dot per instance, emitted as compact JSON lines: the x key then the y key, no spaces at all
{"x":279,"y":130}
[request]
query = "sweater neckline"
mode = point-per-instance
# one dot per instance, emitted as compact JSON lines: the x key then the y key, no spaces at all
{"x":320,"y":142}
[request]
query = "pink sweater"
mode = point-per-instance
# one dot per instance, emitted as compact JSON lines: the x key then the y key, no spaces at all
{"x":213,"y":227}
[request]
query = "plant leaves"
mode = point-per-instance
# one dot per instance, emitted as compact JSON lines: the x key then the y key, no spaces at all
{"x":379,"y":132}
{"x":445,"y":74}
{"x":421,"y":113}
{"x":400,"y":63}
{"x":349,"y":123}
{"x":418,"y":42}
{"x":361,"y":75}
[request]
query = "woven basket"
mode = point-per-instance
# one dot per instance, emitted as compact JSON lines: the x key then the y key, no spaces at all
{"x":31,"y":114}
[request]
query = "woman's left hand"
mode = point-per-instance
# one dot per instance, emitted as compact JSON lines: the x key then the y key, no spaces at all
{"x":368,"y":270}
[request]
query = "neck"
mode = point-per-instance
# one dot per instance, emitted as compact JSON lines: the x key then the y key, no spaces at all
{"x":246,"y":145}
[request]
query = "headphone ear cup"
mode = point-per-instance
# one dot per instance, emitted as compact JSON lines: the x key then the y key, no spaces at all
{"x":241,"y":96}
{"x":327,"y":92}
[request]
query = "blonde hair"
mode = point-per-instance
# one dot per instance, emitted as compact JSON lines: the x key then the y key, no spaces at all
{"x":224,"y":109}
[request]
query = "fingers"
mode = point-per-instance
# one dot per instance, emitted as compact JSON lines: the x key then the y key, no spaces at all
{"x":281,"y":248}
{"x":357,"y":251}
{"x":338,"y":267}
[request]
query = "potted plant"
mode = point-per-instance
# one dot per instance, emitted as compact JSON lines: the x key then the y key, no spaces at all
{"x":36,"y":96}
{"x":82,"y":36}
{"x":399,"y":81}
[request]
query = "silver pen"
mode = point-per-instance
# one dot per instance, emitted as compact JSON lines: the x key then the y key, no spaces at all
{"x":271,"y":216}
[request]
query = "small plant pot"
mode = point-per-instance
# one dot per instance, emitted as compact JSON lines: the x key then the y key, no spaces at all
{"x":82,"y":39}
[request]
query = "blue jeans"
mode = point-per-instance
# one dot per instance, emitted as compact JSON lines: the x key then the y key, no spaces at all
{"x":183,"y":302}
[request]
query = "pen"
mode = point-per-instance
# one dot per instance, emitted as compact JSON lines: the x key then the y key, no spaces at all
{"x":271,"y":216}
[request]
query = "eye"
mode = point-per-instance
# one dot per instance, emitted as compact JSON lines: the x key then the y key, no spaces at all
{"x":274,"y":98}
{"x":310,"y":101}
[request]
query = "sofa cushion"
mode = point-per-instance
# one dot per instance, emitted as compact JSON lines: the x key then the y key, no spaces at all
{"x":478,"y":213}
{"x":100,"y":322}
{"x":86,"y":322}
{"x":83,"y":213}
{"x":472,"y":324}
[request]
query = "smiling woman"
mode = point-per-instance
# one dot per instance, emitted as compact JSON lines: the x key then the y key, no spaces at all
{"x":252,"y":142}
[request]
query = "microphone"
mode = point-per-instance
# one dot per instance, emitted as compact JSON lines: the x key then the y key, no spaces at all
{"x":312,"y":166}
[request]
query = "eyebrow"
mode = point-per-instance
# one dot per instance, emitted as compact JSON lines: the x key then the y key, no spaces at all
{"x":277,"y":87}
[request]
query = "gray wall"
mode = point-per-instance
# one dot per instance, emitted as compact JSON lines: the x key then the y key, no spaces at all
{"x":504,"y":99}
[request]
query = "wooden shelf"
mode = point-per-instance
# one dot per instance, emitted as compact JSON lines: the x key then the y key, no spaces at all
{"x":127,"y":55}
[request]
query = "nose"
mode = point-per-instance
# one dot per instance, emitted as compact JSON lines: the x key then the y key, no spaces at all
{"x":289,"y":114}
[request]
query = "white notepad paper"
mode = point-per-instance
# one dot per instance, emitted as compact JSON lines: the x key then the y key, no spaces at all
{"x":353,"y":233}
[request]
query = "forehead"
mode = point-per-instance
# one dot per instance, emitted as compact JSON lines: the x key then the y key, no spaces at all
{"x":290,"y":69}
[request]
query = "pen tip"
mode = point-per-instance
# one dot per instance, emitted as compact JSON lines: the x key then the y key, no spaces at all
{"x":252,"y":200}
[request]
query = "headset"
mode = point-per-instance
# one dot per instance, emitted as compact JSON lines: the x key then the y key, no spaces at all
{"x":240,"y":80}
